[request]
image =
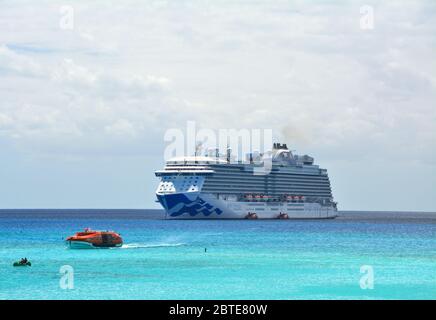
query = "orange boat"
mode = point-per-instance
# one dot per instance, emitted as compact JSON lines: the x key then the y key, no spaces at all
{"x":94,"y":239}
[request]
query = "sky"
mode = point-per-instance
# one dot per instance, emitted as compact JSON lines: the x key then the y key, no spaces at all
{"x":89,"y":88}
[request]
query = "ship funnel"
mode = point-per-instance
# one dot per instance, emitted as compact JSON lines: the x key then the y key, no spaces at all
{"x":278,"y":146}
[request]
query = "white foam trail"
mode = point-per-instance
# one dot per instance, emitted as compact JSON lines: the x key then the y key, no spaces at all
{"x":150,"y":245}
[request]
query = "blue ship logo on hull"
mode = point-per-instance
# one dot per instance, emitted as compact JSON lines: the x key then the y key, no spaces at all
{"x":179,"y":204}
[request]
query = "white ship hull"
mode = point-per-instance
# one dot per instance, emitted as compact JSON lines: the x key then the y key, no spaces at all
{"x":197,"y":205}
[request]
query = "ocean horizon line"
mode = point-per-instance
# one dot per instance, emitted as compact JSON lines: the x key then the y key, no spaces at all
{"x":162,"y":210}
{"x":159,"y":214}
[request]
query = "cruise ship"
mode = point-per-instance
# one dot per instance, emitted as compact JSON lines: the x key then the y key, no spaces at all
{"x":214,"y":186}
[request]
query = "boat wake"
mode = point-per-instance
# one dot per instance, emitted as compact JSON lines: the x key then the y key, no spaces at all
{"x":150,"y":245}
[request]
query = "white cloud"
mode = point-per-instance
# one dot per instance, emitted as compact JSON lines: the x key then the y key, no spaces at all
{"x":12,"y":63}
{"x":121,"y":127}
{"x":82,"y":106}
{"x":304,"y":69}
{"x":5,"y":121}
{"x":71,"y":73}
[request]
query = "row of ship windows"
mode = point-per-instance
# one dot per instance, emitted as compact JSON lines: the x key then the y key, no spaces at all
{"x":266,"y":186}
{"x":263,"y":190}
{"x":185,"y":185}
{"x":306,"y":194}
{"x":242,"y":184}
{"x":179,"y":186}
{"x":305,"y":174}
{"x":179,"y":179}
{"x":174,"y":189}
{"x":194,"y":187}
{"x":181,"y":183}
{"x":178,"y":189}
{"x":263,"y":209}
{"x":251,"y":178}
{"x":269,"y":187}
{"x":262,"y":182}
{"x":278,"y":204}
{"x":272,"y":174}
{"x":250,"y":187}
{"x":265,"y":181}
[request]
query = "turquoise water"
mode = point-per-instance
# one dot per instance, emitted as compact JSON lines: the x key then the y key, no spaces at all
{"x":244,"y":259}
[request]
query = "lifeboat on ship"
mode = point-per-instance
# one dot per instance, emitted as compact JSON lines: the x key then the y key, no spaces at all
{"x":283,"y":216}
{"x":251,"y":216}
{"x":89,"y":239}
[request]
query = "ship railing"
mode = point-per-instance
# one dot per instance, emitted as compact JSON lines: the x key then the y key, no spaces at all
{"x":171,"y":172}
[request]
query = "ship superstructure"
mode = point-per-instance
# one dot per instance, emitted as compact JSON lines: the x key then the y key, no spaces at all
{"x":280,"y":185}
